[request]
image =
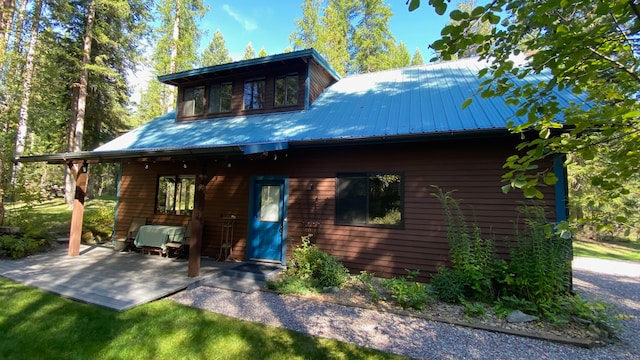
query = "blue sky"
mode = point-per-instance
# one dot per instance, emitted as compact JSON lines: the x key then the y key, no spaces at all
{"x":268,"y":24}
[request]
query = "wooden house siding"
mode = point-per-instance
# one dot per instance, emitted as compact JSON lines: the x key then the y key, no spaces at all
{"x":319,"y":80}
{"x":473,"y":168}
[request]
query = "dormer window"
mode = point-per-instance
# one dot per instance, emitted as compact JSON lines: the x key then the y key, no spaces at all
{"x":193,"y":101}
{"x":254,"y":94}
{"x":286,"y":92}
{"x":220,"y":98}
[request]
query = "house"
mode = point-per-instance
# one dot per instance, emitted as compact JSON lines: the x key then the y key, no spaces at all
{"x":285,"y":147}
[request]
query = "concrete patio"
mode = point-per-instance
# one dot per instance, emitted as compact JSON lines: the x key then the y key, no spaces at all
{"x":101,"y":276}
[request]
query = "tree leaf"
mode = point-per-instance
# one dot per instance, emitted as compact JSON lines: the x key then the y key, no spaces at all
{"x":466,"y":103}
{"x":414,"y":4}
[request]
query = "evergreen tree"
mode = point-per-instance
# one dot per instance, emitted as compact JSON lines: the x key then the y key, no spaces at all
{"x":176,"y":42}
{"x":333,"y":37}
{"x":417,"y":58}
{"x":371,"y":38}
{"x":216,"y":53}
{"x":307,"y":31}
{"x":262,"y":52}
{"x":399,"y":57}
{"x":249,"y":52}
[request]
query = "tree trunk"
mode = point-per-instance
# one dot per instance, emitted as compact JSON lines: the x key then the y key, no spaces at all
{"x":171,"y":101}
{"x":78,"y":122}
{"x":6,"y":20}
{"x":23,"y":117}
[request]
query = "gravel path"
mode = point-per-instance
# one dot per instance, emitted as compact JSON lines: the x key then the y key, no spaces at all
{"x":615,"y":282}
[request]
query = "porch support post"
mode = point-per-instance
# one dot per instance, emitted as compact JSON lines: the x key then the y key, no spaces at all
{"x":197,"y":222}
{"x":75,"y":232}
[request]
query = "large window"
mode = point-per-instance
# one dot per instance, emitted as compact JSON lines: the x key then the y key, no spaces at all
{"x":175,"y":194}
{"x":193,"y":101}
{"x":254,"y":94}
{"x":220,"y":98}
{"x":369,"y":199}
{"x":286,"y":90}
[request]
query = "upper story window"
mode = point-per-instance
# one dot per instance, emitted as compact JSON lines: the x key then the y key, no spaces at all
{"x":254,"y":94}
{"x":286,"y":92}
{"x":220,"y":98}
{"x":193,"y":101}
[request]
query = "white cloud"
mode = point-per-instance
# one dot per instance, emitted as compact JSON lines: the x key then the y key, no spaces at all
{"x":246,"y":23}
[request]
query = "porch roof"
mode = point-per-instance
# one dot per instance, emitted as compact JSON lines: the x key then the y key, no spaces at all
{"x":407,"y":103}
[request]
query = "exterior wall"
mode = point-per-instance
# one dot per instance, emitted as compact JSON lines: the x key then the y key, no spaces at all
{"x":471,"y":167}
{"x":320,"y":80}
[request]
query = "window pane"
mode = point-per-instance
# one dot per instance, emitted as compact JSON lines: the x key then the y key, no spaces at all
{"x":225,"y":97}
{"x":280,"y":92}
{"x":286,"y":90}
{"x":292,"y":90}
{"x":254,"y":94}
{"x":193,"y":101}
{"x":214,"y":98}
{"x":384,"y":200}
{"x":175,"y":194}
{"x":351,"y":200}
{"x":270,"y":203}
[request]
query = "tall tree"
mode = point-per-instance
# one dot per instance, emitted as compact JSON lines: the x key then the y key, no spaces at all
{"x":27,"y":79}
{"x":417,"y":58}
{"x":307,"y":28}
{"x":216,"y":53}
{"x":176,"y":42}
{"x":372,"y":39}
{"x":602,"y":69}
{"x":333,"y":36}
{"x":249,"y":52}
{"x":399,"y":56}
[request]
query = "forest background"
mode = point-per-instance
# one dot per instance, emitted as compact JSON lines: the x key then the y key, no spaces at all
{"x":66,"y":70}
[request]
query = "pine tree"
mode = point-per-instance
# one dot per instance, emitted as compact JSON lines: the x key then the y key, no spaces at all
{"x":307,"y":31}
{"x":372,"y":39}
{"x":249,"y":52}
{"x":333,"y":37}
{"x":216,"y":53}
{"x":399,"y":57}
{"x":417,"y":58}
{"x":262,"y":52}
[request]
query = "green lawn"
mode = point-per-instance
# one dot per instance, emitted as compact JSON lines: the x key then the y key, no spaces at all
{"x":39,"y":325}
{"x":607,"y":250}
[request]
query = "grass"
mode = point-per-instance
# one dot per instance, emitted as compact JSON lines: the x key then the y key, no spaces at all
{"x":618,"y":250}
{"x":40,"y":325}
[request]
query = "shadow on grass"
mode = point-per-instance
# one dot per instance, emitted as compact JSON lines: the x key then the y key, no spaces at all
{"x":37,"y":324}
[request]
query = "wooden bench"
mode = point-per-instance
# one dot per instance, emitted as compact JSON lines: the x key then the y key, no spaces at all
{"x":150,"y":249}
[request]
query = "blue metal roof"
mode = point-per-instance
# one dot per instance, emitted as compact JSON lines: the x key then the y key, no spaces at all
{"x":415,"y":101}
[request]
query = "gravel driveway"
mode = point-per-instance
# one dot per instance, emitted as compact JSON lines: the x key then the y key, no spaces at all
{"x":613,"y":281}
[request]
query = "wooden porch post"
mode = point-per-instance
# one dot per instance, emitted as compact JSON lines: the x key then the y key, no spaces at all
{"x":75,"y":232}
{"x":197,"y":222}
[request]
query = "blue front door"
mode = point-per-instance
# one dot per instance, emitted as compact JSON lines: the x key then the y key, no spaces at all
{"x":268,"y":219}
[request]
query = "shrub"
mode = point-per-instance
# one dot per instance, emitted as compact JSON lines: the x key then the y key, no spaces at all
{"x":448,"y":285}
{"x":314,"y":267}
{"x":406,"y":292}
{"x":17,"y":247}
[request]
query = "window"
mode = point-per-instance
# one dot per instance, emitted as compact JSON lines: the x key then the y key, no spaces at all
{"x":175,"y":194}
{"x":220,"y":98}
{"x":193,"y":101}
{"x":286,"y":90}
{"x":369,"y":199}
{"x":254,"y":94}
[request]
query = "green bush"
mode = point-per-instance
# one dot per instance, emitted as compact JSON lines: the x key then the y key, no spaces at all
{"x":313,"y":267}
{"x":99,"y":221}
{"x":406,"y":292}
{"x":448,"y":285}
{"x":17,"y":247}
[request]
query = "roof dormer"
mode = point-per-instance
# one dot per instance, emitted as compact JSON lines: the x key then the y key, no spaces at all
{"x":276,"y":83}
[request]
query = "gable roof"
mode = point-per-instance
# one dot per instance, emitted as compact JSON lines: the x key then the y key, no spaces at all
{"x":407,"y":103}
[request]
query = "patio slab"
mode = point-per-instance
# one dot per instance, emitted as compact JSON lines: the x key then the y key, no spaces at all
{"x":116,"y":280}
